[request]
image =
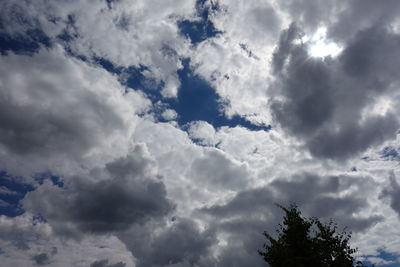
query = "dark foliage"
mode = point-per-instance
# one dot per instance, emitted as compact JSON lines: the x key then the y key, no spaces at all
{"x":305,"y":242}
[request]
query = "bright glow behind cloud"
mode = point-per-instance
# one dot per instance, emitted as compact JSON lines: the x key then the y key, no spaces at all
{"x":320,"y":46}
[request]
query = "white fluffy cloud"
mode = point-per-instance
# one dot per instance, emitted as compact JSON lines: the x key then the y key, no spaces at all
{"x":124,"y":32}
{"x":59,"y":113}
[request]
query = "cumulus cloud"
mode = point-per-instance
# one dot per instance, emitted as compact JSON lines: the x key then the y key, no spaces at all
{"x":134,"y":191}
{"x":114,"y":198}
{"x":29,"y":241}
{"x":192,"y":174}
{"x":169,"y":114}
{"x":19,"y":230}
{"x":215,"y":169}
{"x":393,"y":193}
{"x":314,"y":193}
{"x":252,"y":211}
{"x":236,"y":62}
{"x":141,"y":32}
{"x":58,"y":111}
{"x":322,"y":101}
{"x":358,"y":15}
{"x":202,"y":132}
{"x":181,"y":243}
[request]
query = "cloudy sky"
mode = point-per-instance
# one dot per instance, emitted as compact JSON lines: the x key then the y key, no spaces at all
{"x":155,"y":133}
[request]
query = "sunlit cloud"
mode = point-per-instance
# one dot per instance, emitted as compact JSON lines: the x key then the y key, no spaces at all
{"x":320,"y":46}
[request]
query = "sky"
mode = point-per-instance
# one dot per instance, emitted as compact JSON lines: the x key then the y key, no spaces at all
{"x":154,"y":133}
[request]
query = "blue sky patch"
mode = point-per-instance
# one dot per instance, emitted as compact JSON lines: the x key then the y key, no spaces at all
{"x":133,"y":77}
{"x":40,"y":178}
{"x":387,"y":257}
{"x":196,"y":99}
{"x":11,"y":193}
{"x":70,"y":32}
{"x":108,"y":65}
{"x":202,"y":29}
{"x":110,"y":3}
{"x":390,"y":153}
{"x":23,"y":44}
{"x":197,"y":31}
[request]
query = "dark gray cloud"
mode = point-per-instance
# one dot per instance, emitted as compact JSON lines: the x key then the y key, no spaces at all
{"x":181,"y":244}
{"x":285,"y":46}
{"x":242,"y":250}
{"x":361,"y":14}
{"x":342,"y":18}
{"x":372,"y":54}
{"x":253,"y":211}
{"x":316,"y":195}
{"x":324,"y":101}
{"x":319,"y":196}
{"x":30,"y":124}
{"x":352,"y":139}
{"x":45,"y":258}
{"x":311,"y":13}
{"x":124,"y":194}
{"x":393,"y":193}
{"x":54,"y":108}
{"x":104,"y":263}
{"x":41,"y":259}
{"x":305,"y":85}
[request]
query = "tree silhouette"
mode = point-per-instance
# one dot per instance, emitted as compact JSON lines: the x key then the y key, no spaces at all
{"x":305,"y":242}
